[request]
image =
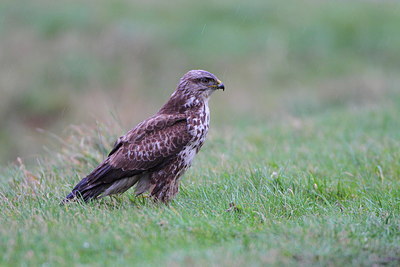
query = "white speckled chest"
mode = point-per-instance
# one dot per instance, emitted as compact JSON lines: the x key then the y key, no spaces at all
{"x":198,"y":124}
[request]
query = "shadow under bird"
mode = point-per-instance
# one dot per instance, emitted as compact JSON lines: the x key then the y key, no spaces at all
{"x":157,"y":152}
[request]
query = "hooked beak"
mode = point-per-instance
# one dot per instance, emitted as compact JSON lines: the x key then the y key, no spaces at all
{"x":220,"y":85}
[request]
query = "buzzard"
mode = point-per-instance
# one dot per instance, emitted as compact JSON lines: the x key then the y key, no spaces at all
{"x":157,"y":152}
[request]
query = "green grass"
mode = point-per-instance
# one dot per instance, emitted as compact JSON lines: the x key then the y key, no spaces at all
{"x":322,"y":191}
{"x":67,"y":62}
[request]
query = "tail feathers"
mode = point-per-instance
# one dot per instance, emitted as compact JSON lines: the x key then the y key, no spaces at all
{"x":91,"y":186}
{"x":97,"y":182}
{"x":85,"y":192}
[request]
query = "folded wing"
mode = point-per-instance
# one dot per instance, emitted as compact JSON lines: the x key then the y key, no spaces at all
{"x":147,"y":147}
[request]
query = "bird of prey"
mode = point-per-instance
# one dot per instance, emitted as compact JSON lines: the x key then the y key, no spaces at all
{"x":156,"y":153}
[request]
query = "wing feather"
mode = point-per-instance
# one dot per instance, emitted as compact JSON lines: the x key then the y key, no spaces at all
{"x":148,"y":146}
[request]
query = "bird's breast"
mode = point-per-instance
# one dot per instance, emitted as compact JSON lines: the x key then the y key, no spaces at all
{"x":198,"y":124}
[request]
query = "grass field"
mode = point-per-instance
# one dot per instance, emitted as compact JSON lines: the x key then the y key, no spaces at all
{"x":301,"y":165}
{"x":323,"y":191}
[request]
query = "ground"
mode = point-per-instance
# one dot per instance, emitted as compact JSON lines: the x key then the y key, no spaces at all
{"x":323,"y":190}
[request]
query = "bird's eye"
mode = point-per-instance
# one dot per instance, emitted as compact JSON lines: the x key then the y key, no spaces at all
{"x":205,"y":80}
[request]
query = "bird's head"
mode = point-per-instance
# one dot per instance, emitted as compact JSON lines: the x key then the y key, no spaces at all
{"x":200,"y":83}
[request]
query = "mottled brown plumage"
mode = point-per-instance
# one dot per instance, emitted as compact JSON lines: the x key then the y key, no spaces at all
{"x":155,"y":154}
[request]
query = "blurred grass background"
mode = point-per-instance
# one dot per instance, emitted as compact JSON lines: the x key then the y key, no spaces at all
{"x":301,"y":163}
{"x":73,"y":62}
